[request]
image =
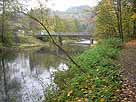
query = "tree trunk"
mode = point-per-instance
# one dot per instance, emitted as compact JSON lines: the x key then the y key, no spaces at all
{"x":134,"y":23}
{"x":119,"y":19}
{"x":134,"y":28}
{"x":5,"y":81}
{"x":4,"y":75}
{"x":54,"y":42}
{"x":3,"y":21}
{"x":117,"y":6}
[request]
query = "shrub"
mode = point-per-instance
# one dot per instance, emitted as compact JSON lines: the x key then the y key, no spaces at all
{"x":8,"y":39}
{"x":101,"y":77}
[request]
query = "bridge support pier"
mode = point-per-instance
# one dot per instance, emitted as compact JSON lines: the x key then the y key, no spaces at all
{"x":60,"y":40}
{"x":91,"y":41}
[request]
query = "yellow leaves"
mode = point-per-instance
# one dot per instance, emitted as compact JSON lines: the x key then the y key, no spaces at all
{"x":102,"y":100}
{"x":69,"y":93}
{"x":85,"y":92}
{"x":78,"y":99}
{"x":133,"y":17}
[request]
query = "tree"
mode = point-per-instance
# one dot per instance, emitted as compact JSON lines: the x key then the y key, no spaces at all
{"x":59,"y":25}
{"x":76,"y":25}
{"x":134,"y":17}
{"x":53,"y":41}
{"x":7,"y":11}
{"x":106,"y":25}
{"x":3,"y":20}
{"x":114,"y":19}
{"x":118,"y":10}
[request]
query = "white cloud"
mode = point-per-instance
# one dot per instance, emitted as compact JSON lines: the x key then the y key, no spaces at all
{"x":62,"y":5}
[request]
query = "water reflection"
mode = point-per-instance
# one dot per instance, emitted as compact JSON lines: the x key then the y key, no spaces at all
{"x":25,"y":75}
{"x":8,"y":85}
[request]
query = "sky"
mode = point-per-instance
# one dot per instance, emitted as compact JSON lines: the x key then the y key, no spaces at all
{"x":63,"y":5}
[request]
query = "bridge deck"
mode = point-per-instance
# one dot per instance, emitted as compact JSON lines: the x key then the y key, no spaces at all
{"x":67,"y":35}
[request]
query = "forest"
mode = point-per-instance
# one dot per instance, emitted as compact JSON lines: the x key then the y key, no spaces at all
{"x":45,"y":55}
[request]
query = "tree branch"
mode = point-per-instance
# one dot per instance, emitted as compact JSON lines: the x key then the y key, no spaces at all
{"x":53,"y":41}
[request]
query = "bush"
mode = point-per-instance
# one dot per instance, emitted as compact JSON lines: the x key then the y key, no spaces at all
{"x":8,"y":39}
{"x":24,"y":39}
{"x":100,"y":80}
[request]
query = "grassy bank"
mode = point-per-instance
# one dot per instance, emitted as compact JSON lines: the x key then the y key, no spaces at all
{"x":25,"y":42}
{"x":29,"y":41}
{"x":96,"y":82}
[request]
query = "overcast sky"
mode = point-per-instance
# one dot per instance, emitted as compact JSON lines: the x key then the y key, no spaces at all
{"x":63,"y":5}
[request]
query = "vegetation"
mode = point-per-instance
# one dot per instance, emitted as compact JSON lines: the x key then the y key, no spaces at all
{"x":29,"y":41}
{"x":15,"y":25}
{"x":98,"y":83}
{"x":98,"y":79}
{"x":115,"y":19}
{"x":92,"y":76}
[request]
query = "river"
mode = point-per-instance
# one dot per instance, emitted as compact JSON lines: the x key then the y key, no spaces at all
{"x":25,"y":75}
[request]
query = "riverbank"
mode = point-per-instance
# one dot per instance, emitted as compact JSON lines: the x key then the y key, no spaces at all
{"x":32,"y":70}
{"x":97,"y":80}
{"x":28,"y":42}
{"x":25,"y":42}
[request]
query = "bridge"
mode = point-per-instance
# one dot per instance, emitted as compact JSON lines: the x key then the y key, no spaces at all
{"x":60,"y":35}
{"x":80,"y":35}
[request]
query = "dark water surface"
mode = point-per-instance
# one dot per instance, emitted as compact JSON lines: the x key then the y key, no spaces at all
{"x":25,"y":75}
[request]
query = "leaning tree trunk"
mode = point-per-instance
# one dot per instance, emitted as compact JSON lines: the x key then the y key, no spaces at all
{"x":54,"y":42}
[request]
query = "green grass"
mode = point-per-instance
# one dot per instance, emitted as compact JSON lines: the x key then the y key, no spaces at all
{"x":25,"y":42}
{"x":97,"y":84}
{"x":28,"y":42}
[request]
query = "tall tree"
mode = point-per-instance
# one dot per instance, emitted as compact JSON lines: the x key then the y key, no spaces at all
{"x":7,"y":11}
{"x":3,"y":20}
{"x":119,"y":18}
{"x":59,"y":25}
{"x":110,"y":20}
{"x":134,"y":22}
{"x":105,"y":20}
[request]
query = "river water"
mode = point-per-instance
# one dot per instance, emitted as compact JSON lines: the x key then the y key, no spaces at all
{"x":25,"y":75}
